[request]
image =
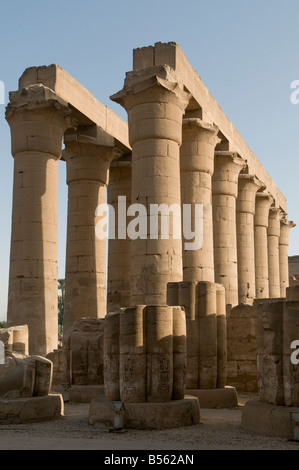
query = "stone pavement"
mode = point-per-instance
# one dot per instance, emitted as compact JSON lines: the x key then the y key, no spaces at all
{"x":218,"y":430}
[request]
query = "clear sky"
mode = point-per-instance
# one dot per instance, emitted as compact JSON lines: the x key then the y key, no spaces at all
{"x":246,"y":52}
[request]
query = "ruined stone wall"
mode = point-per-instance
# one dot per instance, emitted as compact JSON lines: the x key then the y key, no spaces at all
{"x":278,"y":372}
{"x":242,"y":344}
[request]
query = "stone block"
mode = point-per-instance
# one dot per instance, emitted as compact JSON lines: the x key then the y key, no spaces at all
{"x":141,"y":345}
{"x":147,"y":416}
{"x":83,"y":352}
{"x":225,"y":397}
{"x":28,"y":410}
{"x":267,"y":419}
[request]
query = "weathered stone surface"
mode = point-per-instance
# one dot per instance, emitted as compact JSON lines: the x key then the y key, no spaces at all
{"x":88,"y":159}
{"x":151,"y":97}
{"x":111,"y":356}
{"x":261,"y":223}
{"x":225,"y":397}
{"x":118,"y":286}
{"x":16,"y":338}
{"x":82,"y":353}
{"x":167,"y":415}
{"x":292,"y":293}
{"x":133,"y":357}
{"x":270,"y":359}
{"x":139,"y":361}
{"x":197,"y":167}
{"x":278,"y":376}
{"x":290,"y":370}
{"x":204,"y":304}
{"x":38,"y":119}
{"x":275,"y":216}
{"x":184,"y":151}
{"x":225,"y":190}
{"x":21,"y":375}
{"x":185,"y":295}
{"x":268,"y":419}
{"x":179,"y":354}
{"x":207,"y":338}
{"x":221,"y":337}
{"x":33,"y":409}
{"x":285,"y":227}
{"x":242,"y":347}
{"x":56,"y":357}
{"x":25,"y":376}
{"x":247,"y":189}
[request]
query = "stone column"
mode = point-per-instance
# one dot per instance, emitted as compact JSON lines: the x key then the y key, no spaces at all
{"x":118,"y":288}
{"x":270,"y":352}
{"x":261,"y":222}
{"x":145,"y":355}
{"x":225,"y":190}
{"x":247,"y":189}
{"x":197,"y":167}
{"x":38,"y":120}
{"x":273,"y":252}
{"x":155,"y":103}
{"x":88,"y":162}
{"x":186,"y":295}
{"x":285,"y":227}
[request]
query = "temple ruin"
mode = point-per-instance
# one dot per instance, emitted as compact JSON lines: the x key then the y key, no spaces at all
{"x":171,"y":328}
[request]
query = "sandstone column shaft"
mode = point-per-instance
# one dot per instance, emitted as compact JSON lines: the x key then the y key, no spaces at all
{"x":37,"y":127}
{"x":155,"y":104}
{"x":186,"y":295}
{"x":247,"y":188}
{"x":221,"y":337}
{"x":85,"y":278}
{"x":111,"y":356}
{"x":179,"y":353}
{"x":273,"y":252}
{"x":133,"y":357}
{"x":159,"y":362}
{"x":270,"y":352}
{"x":118,"y":288}
{"x":207,"y":335}
{"x":205,"y":318}
{"x":197,"y":167}
{"x":261,"y":222}
{"x":225,"y":189}
{"x":285,"y":228}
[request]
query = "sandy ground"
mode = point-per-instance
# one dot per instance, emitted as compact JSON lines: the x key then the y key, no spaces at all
{"x":218,"y":429}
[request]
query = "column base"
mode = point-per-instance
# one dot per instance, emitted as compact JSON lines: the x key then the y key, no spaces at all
{"x":271,"y":420}
{"x":173,"y":414}
{"x":215,"y":398}
{"x":33,"y":409}
{"x":85,"y":393}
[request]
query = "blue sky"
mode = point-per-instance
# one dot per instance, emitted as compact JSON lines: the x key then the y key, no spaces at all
{"x":246,"y":53}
